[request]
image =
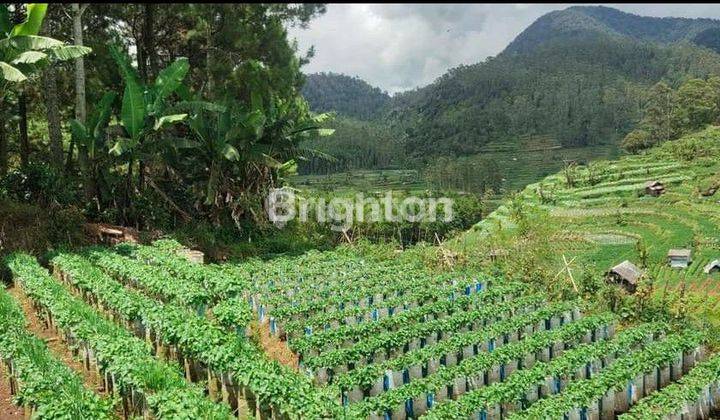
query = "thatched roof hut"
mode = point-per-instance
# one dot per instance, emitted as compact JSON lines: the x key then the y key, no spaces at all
{"x":654,"y":188}
{"x":626,"y":274}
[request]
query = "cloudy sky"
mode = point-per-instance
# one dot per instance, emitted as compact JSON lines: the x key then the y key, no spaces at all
{"x":401,"y":46}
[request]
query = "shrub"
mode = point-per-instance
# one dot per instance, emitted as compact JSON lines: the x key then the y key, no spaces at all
{"x":37,"y":183}
{"x":637,"y":141}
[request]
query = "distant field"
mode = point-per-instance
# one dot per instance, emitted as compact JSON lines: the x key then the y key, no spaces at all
{"x":532,"y":158}
{"x":363,"y":180}
{"x":521,"y":163}
{"x":599,"y":224}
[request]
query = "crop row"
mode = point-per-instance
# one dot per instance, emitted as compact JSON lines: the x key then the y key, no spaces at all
{"x":484,"y":368}
{"x":397,"y":340}
{"x":395,"y":287}
{"x":695,"y":393}
{"x":594,"y":394}
{"x":468,"y":343}
{"x":123,"y":362}
{"x":218,"y":283}
{"x":403,"y":316}
{"x":414,"y":293}
{"x":42,"y":384}
{"x":226,"y":292}
{"x":229,"y":360}
{"x":152,"y":279}
{"x":544,"y":378}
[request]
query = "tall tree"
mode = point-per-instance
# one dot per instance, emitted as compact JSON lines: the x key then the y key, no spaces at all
{"x":23,"y":130}
{"x":52,"y":107}
{"x":659,"y":111}
{"x":3,"y":142}
{"x":89,"y":181}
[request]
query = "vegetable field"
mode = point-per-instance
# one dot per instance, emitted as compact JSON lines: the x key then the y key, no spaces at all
{"x":370,"y":338}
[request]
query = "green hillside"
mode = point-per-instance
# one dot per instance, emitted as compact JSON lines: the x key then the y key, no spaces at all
{"x":605,"y":218}
{"x":349,"y":96}
{"x":599,"y":20}
{"x":571,"y":86}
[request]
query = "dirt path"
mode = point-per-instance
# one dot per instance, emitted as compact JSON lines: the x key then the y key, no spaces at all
{"x":8,"y":410}
{"x":36,"y":326}
{"x":274,"y":348}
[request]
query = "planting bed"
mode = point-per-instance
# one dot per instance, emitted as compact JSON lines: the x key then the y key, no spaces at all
{"x":371,"y":338}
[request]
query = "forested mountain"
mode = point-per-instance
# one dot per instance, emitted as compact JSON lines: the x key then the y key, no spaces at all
{"x":589,"y":22}
{"x":575,"y":78}
{"x":578,"y":75}
{"x":350,"y":96}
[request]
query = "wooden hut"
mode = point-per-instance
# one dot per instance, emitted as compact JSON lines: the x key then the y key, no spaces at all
{"x":712,"y":267}
{"x":679,"y":258}
{"x":654,"y":188}
{"x":625,"y":274}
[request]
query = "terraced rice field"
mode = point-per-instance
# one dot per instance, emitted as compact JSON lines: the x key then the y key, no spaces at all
{"x":600,"y":222}
{"x":327,"y":335}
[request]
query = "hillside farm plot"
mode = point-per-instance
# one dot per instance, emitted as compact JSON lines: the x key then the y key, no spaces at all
{"x":368,"y":338}
{"x":606,"y":207}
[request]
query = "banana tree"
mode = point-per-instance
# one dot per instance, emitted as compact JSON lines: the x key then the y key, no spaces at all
{"x":22,"y":51}
{"x":143,"y":107}
{"x":92,"y":136}
{"x":244,"y":149}
{"x":143,"y":113}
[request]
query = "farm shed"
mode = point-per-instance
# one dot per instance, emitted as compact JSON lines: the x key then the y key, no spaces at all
{"x":625,"y":274}
{"x":712,"y":267}
{"x":679,"y":258}
{"x":654,"y":188}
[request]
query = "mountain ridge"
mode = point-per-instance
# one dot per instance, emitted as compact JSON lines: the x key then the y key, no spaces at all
{"x":576,"y":77}
{"x":609,"y":21}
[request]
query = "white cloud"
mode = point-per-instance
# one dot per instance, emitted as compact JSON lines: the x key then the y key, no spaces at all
{"x":403,"y":46}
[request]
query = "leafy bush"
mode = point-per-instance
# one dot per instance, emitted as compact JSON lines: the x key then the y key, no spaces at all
{"x":704,"y":144}
{"x":37,"y":183}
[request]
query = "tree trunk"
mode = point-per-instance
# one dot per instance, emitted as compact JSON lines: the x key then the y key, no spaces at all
{"x":53,"y":117}
{"x":208,"y":63}
{"x":52,"y":105}
{"x":3,"y":142}
{"x":148,"y":35}
{"x":69,"y":167}
{"x":80,"y":102}
{"x":141,"y":61}
{"x":23,"y":131}
{"x":89,"y":184}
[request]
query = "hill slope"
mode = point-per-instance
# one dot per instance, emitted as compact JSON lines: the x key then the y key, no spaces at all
{"x":576,"y":75}
{"x":574,"y":80}
{"x":349,"y":96}
{"x":594,"y":21}
{"x":605,"y":218}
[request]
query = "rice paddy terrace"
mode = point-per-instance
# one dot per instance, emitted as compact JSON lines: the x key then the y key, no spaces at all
{"x":600,"y":220}
{"x":327,"y":335}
